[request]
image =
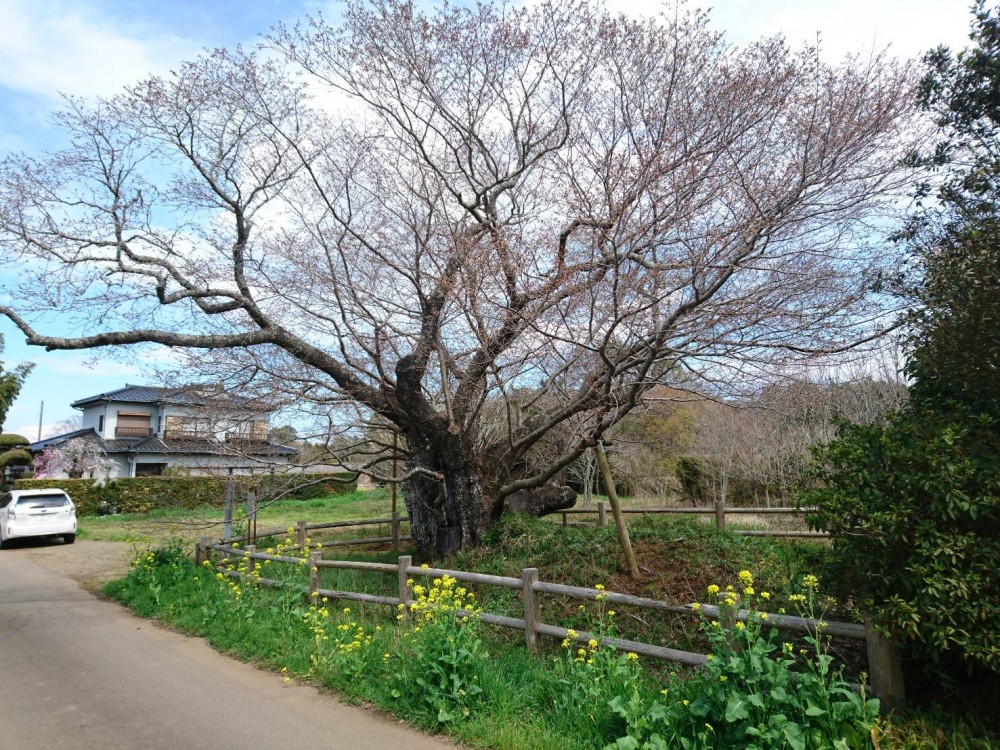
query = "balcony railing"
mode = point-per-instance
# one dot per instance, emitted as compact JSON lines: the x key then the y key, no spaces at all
{"x":132,"y":431}
{"x":178,"y":434}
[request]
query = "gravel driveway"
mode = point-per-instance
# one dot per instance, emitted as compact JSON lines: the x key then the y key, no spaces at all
{"x":91,"y":564}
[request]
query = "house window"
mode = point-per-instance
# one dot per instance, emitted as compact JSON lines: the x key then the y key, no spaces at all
{"x":132,"y":424}
{"x":100,"y":423}
{"x":249,"y":431}
{"x":149,"y":469}
{"x":188,"y":428}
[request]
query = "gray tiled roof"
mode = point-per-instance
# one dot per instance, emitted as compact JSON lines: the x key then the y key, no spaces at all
{"x":148,"y":394}
{"x":47,"y":442}
{"x":154,"y":444}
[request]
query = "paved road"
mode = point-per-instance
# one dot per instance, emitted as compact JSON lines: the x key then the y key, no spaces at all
{"x":78,"y":672}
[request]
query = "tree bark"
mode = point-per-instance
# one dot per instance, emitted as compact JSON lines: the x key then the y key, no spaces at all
{"x":541,"y":501}
{"x":452,"y":513}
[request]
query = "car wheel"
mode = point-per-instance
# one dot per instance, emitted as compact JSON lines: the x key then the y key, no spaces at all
{"x":69,"y":538}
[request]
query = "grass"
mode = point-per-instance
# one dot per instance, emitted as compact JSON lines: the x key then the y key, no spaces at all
{"x":161,"y":526}
{"x":679,"y":558}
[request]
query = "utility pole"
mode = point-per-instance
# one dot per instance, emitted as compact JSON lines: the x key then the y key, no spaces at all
{"x":41,"y":411}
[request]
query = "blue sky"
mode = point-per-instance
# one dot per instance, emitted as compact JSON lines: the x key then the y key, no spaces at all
{"x":93,"y":47}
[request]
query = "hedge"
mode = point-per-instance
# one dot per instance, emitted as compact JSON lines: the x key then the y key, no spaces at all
{"x":142,"y":494}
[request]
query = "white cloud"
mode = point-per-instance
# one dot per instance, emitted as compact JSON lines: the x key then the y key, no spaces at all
{"x":910,"y":26}
{"x":47,"y":48}
{"x":49,"y":429}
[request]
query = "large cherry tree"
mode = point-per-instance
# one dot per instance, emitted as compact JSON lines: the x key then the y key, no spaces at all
{"x":491,"y":229}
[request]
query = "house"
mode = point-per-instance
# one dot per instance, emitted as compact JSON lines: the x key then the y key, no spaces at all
{"x":143,"y":430}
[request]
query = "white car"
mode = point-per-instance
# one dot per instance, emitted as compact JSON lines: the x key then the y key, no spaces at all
{"x":39,"y":513}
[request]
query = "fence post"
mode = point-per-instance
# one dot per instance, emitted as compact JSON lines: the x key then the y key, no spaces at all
{"x":529,"y":576}
{"x":314,"y":558}
{"x":405,"y":561}
{"x":395,"y":531}
{"x":565,"y":519}
{"x":602,"y":513}
{"x":720,"y":514}
{"x":201,"y":551}
{"x":885,"y":669}
{"x":251,"y":563}
{"x":300,"y":531}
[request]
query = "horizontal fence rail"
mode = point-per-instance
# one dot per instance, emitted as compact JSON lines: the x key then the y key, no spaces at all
{"x":719,"y":510}
{"x":301,"y":529}
{"x":883,"y":660}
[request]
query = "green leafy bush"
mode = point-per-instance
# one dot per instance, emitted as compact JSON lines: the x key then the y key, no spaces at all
{"x":590,"y":676}
{"x":753,"y":692}
{"x":441,"y":651}
{"x":9,"y":440}
{"x":914,"y":510}
{"x":142,"y":494}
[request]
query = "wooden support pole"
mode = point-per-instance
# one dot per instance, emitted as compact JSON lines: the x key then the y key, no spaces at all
{"x":405,"y":561}
{"x":602,"y":513}
{"x":531,"y":609}
{"x":395,"y":531}
{"x":720,"y":515}
{"x":565,"y":519}
{"x":314,"y":559}
{"x":616,"y":509}
{"x":395,"y":454}
{"x":885,"y":669}
{"x":300,"y":532}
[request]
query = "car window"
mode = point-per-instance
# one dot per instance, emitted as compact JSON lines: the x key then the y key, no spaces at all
{"x":43,"y":501}
{"x":4,"y":500}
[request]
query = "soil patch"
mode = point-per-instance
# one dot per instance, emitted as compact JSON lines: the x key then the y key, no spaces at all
{"x":91,"y":564}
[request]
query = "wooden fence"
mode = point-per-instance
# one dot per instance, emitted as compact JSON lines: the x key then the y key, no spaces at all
{"x":396,"y":537}
{"x":884,"y":666}
{"x":302,"y":529}
{"x":719,"y":511}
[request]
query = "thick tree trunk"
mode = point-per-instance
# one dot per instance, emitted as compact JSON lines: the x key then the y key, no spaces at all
{"x":452,"y":513}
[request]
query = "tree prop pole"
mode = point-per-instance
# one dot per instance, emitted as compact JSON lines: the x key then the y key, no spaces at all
{"x":616,"y":509}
